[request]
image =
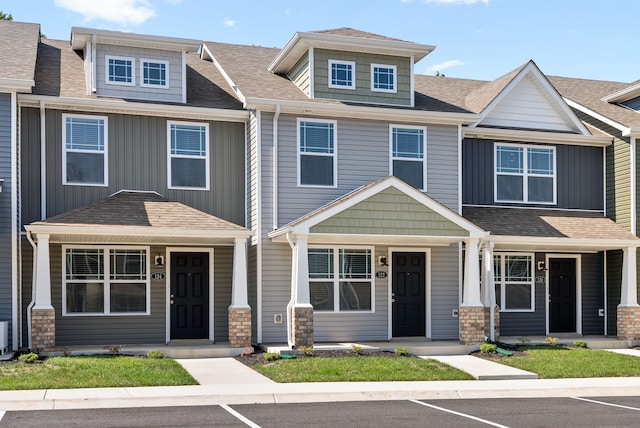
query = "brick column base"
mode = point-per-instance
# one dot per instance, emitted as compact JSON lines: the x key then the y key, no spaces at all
{"x":472,"y":324}
{"x":43,"y":329}
{"x":240,"y":327}
{"x":496,"y":323}
{"x":628,"y":322}
{"x":302,"y":327}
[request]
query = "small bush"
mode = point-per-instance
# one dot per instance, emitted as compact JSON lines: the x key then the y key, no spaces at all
{"x":29,"y":358}
{"x":272,"y":356}
{"x":580,"y":343}
{"x":307,"y":350}
{"x":114,"y":349}
{"x":403,"y":352}
{"x":524,"y":340}
{"x":155,"y":354}
{"x":488,"y":348}
{"x":551,"y":340}
{"x":357,"y":349}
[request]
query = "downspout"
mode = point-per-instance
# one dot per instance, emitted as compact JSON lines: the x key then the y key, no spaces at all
{"x":275,"y":167}
{"x":94,"y":41}
{"x":43,"y":162}
{"x":15,"y":220}
{"x":292,"y":302}
{"x":633,"y":178}
{"x":33,"y":286}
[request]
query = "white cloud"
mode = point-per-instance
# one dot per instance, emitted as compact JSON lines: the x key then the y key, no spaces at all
{"x":456,"y":1}
{"x":126,"y":12}
{"x":443,"y":66}
{"x":229,"y":23}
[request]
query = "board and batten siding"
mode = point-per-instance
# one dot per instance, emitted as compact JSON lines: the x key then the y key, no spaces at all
{"x":362,"y":91}
{"x":137,"y":160}
{"x":362,"y":157}
{"x":528,"y":106}
{"x":445,"y":292}
{"x":592,"y":293}
{"x":300,"y":74}
{"x":579,"y":175}
{"x":6,"y":216}
{"x":175,"y":75}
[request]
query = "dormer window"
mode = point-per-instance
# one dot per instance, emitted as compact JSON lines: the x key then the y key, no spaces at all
{"x":383,"y":78}
{"x":341,"y":74}
{"x":154,"y":73}
{"x":119,"y":70}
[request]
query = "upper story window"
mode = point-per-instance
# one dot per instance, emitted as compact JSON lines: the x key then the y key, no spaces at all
{"x":84,"y":150}
{"x":525,"y":173}
{"x":342,"y":74}
{"x":408,"y":154}
{"x":120,"y":70}
{"x":188,"y":158}
{"x":514,"y":282}
{"x":154,"y":73}
{"x":383,"y":78}
{"x":340,"y":279}
{"x":317,"y":153}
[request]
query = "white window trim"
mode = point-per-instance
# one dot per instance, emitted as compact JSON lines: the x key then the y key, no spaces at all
{"x":352,"y":64}
{"x":149,"y":85}
{"x":503,"y":283}
{"x":107,"y":281}
{"x":334,"y":154}
{"x":423,"y":160}
{"x":122,"y":58}
{"x":105,"y":152}
{"x":395,"y":78}
{"x":525,"y":174}
{"x":336,"y":278}
{"x":170,"y":156}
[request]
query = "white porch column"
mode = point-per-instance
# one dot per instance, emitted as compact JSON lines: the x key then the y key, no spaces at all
{"x":629,"y":291}
{"x":43,"y":275}
{"x":488,"y":290}
{"x":301,"y":298}
{"x":471,"y":285}
{"x":239,"y":295}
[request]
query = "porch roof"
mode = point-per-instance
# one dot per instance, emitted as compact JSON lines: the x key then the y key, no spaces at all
{"x":135,"y":217}
{"x":551,"y":229}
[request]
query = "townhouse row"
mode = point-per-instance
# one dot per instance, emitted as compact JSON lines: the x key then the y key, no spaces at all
{"x":157,"y":189}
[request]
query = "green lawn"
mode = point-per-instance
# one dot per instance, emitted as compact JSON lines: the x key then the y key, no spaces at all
{"x":554,"y":362}
{"x":358,"y":369}
{"x":93,"y":372}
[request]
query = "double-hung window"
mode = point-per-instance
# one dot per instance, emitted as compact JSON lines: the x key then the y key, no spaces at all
{"x":408,"y":154}
{"x":188,"y":157}
{"x":154,"y":73}
{"x":340,"y":279}
{"x":383,"y":78}
{"x":84,"y":150}
{"x":120,"y":70}
{"x":317,"y":163}
{"x":342,"y":74}
{"x":105,"y":281}
{"x":525,"y":173}
{"x":514,"y":282}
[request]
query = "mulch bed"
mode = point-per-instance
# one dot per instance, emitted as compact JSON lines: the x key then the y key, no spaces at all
{"x":258,"y":356}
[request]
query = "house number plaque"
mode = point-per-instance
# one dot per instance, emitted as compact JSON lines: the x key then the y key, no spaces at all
{"x":157,"y":276}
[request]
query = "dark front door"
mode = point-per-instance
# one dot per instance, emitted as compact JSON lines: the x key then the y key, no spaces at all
{"x":189,"y":295}
{"x":562,"y":295}
{"x":408,"y":294}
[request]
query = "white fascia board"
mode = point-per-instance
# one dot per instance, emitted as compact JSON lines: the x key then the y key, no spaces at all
{"x":362,"y":112}
{"x":622,"y":128}
{"x":80,"y":36}
{"x":354,"y":239}
{"x":529,"y":242}
{"x":537,"y":136}
{"x":16,"y":85}
{"x":143,"y":109}
{"x":155,"y":232}
{"x":234,"y":87}
{"x":623,"y":95}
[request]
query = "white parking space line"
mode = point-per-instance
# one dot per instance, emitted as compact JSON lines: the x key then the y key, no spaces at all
{"x":464,"y":415}
{"x":607,"y":404}
{"x":2,"y":413}
{"x":247,"y":421}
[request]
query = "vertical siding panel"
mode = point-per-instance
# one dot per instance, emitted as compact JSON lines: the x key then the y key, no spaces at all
{"x":445,"y":292}
{"x":222,"y":275}
{"x":6,"y":215}
{"x":592,"y":294}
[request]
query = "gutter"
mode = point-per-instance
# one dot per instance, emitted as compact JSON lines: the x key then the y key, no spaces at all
{"x":275,"y":167}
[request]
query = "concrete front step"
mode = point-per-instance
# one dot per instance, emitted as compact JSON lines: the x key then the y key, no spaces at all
{"x":482,"y":369}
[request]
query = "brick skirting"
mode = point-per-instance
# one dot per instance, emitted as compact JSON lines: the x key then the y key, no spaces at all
{"x":628,"y":322}
{"x":472,"y":324}
{"x":302,"y":327}
{"x":240,"y":327}
{"x":43,"y":329}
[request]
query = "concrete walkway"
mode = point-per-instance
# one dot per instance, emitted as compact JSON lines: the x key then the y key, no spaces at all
{"x":227,"y":381}
{"x":483,"y":369}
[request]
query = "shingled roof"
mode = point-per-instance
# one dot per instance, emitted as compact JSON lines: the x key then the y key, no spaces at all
{"x":18,"y":52}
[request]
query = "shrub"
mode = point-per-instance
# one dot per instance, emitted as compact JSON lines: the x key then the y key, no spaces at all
{"x":29,"y":358}
{"x":488,"y":348}
{"x":155,"y":354}
{"x":271,"y":356}
{"x":551,"y":340}
{"x":357,"y":349}
{"x":580,"y":343}
{"x":403,"y":352}
{"x":307,"y":350}
{"x":114,"y":349}
{"x":524,"y":340}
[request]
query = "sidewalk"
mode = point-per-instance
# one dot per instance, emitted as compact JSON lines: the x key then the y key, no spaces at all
{"x":227,"y":381}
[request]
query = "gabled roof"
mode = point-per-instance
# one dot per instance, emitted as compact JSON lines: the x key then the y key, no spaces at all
{"x":344,"y":39}
{"x":18,"y":50}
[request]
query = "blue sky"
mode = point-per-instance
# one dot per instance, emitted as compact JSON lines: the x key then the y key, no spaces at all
{"x":475,"y":39}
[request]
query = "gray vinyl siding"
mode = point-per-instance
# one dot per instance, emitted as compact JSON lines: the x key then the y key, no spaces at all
{"x":614,"y":280}
{"x":6,"y":216}
{"x":592,"y":293}
{"x":579,"y":176}
{"x":171,"y":94}
{"x":222,"y":281}
{"x":362,"y":91}
{"x":445,"y":292}
{"x":362,"y":157}
{"x":137,"y":160}
{"x":253,"y":219}
{"x":301,"y":75}
{"x":26,"y":283}
{"x":276,"y":289}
